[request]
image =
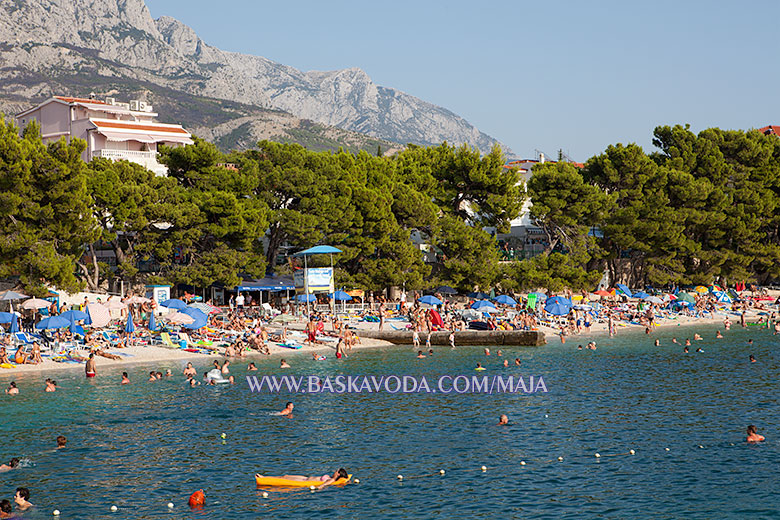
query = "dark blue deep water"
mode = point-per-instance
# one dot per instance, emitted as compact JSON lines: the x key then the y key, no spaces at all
{"x":146,"y":444}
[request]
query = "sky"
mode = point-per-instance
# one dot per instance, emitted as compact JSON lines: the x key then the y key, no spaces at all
{"x":545,"y":75}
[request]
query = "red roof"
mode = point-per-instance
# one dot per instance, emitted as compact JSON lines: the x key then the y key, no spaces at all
{"x":770,"y":130}
{"x":149,"y":127}
{"x":79,"y":100}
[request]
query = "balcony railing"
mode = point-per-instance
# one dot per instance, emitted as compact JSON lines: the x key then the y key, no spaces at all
{"x":145,"y":159}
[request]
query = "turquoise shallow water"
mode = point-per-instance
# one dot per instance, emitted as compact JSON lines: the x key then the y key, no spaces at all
{"x":146,"y":444}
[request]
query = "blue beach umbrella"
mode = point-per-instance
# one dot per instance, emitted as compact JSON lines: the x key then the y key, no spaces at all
{"x":14,"y":325}
{"x":505,"y":300}
{"x":7,"y":317}
{"x":624,"y":289}
{"x":341,"y":296}
{"x":174,"y":303}
{"x":152,"y":323}
{"x":482,"y":304}
{"x":430,"y":300}
{"x":74,"y":315}
{"x":306,"y":298}
{"x":479,"y":295}
{"x":445,"y":289}
{"x":54,"y":322}
{"x":641,"y":295}
{"x":557,"y":309}
{"x":200,"y":317}
{"x":129,"y":326}
{"x":559,"y":300}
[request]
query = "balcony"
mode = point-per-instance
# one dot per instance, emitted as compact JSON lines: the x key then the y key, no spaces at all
{"x":146,"y":159}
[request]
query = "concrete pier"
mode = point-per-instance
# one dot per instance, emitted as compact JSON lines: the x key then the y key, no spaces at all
{"x":521,"y":338}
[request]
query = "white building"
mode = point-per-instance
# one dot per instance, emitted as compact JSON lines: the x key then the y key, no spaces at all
{"x":112,"y":130}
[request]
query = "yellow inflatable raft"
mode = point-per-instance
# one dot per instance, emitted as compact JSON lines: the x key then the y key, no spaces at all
{"x":283,"y":482}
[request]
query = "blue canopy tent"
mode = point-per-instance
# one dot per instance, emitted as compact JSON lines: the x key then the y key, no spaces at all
{"x":316,"y":250}
{"x":430,"y":300}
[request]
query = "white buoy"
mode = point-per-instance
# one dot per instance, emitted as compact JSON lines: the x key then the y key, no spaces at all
{"x":441,"y":472}
{"x":114,"y":508}
{"x":598,"y":455}
{"x":522,"y":463}
{"x":265,"y":494}
{"x":484,"y":468}
{"x":700,"y":446}
{"x":545,"y":415}
{"x":223,"y":436}
{"x":56,"y":512}
{"x":632,"y":452}
{"x":560,"y":459}
{"x":357,"y":481}
{"x":667,"y":449}
{"x":170,"y":505}
{"x":312,"y":488}
{"x":400,"y":477}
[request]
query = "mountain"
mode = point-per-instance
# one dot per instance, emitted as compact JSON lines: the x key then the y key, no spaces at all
{"x":115,"y":47}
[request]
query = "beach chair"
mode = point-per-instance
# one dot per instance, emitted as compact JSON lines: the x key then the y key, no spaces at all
{"x":112,"y":339}
{"x":167,"y":341}
{"x":22,"y":337}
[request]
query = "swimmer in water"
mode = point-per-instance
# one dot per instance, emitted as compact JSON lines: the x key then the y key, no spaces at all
{"x":696,"y":337}
{"x":499,"y":353}
{"x":284,"y":364}
{"x":674,"y":340}
{"x":288,"y":408}
{"x":752,"y":358}
{"x":579,"y":347}
{"x":189,"y":371}
{"x":22,"y":499}
{"x":12,"y":389}
{"x":51,"y":386}
{"x":12,"y":464}
{"x":168,"y":372}
{"x":125,"y":379}
{"x":506,"y":363}
{"x":61,"y":441}
{"x":503,"y":420}
{"x":752,"y":436}
{"x":325,"y":480}
{"x":420,"y":354}
{"x":687,"y":342}
{"x":699,"y":350}
{"x":517,"y":361}
{"x":479,"y":367}
{"x":718,"y":335}
{"x":657,"y":342}
{"x":152,"y":376}
{"x":685,"y":349}
{"x":487,"y":351}
{"x":251,"y":367}
{"x":452,"y":339}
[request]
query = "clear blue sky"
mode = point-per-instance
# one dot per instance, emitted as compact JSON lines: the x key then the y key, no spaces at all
{"x":535,"y":75}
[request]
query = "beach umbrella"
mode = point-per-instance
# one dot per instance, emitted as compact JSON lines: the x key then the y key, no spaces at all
{"x":9,"y":296}
{"x":205,"y":307}
{"x":684,"y":296}
{"x":115,"y":305}
{"x":7,"y":317}
{"x":14,"y":324}
{"x":341,"y":296}
{"x":36,"y":303}
{"x":74,"y":315}
{"x":306,"y":298}
{"x":136,"y":300}
{"x":557,"y":308}
{"x":559,"y":300}
{"x":482,"y":305}
{"x":200,"y":318}
{"x":624,"y":289}
{"x":602,"y":292}
{"x":430,"y":300}
{"x":179,"y":318}
{"x":641,"y":295}
{"x":722,"y":297}
{"x":152,"y":323}
{"x":654,"y":299}
{"x":54,"y":322}
{"x":701,"y":289}
{"x":505,"y":300}
{"x":174,"y":303}
{"x":99,"y":316}
{"x":283,"y":318}
{"x":479,"y":295}
{"x":445,"y":289}
{"x":714,"y":287}
{"x":129,"y":326}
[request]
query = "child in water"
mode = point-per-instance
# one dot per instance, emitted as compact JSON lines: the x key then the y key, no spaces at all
{"x":752,"y":435}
